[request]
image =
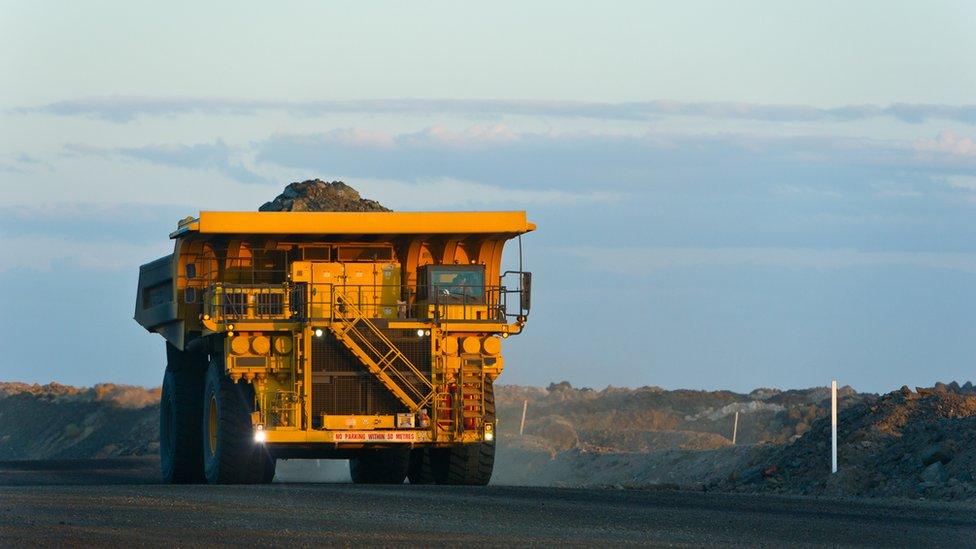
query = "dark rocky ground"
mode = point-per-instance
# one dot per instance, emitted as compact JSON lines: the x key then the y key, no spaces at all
{"x":115,"y":503}
{"x":57,"y":421}
{"x":905,"y":444}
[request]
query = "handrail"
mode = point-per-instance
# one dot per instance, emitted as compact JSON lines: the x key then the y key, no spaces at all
{"x":386,"y":362}
{"x":261,"y":302}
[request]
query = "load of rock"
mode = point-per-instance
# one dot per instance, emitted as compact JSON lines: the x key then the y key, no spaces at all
{"x":315,"y":195}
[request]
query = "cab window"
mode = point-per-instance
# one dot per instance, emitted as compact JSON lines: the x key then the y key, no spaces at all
{"x":456,"y":283}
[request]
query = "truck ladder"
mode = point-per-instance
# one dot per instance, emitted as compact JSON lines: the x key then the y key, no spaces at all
{"x":462,"y":408}
{"x":471,"y":387}
{"x":379,"y":355}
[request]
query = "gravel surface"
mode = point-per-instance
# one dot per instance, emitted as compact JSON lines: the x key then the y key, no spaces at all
{"x":103,"y":502}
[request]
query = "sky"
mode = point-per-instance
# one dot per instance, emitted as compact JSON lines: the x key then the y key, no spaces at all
{"x":728,"y":195}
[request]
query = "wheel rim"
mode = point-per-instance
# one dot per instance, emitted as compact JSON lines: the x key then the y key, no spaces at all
{"x":212,"y":425}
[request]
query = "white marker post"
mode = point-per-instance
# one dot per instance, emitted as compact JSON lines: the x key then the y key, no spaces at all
{"x":525,"y":405}
{"x":735,"y":427}
{"x":833,"y":426}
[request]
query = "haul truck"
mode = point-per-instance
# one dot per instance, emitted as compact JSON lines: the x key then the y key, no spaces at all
{"x":373,"y":337}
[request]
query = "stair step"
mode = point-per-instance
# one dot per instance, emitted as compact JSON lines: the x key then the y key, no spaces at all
{"x":387,"y":355}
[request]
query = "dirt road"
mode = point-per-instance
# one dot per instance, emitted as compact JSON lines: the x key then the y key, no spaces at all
{"x":114,"y":502}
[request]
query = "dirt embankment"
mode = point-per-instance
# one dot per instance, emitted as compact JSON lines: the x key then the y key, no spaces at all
{"x":561,"y":418}
{"x":58,"y":421}
{"x":906,"y":443}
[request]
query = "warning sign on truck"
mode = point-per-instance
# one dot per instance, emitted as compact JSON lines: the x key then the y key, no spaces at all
{"x":375,"y":436}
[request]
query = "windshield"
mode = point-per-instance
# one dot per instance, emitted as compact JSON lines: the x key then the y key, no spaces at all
{"x":457,"y":284}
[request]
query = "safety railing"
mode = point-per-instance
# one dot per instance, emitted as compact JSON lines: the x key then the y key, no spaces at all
{"x":381,"y":356}
{"x":485,"y":303}
{"x":315,"y":302}
{"x":250,"y":302}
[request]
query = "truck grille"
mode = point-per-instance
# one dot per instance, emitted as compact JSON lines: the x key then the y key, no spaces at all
{"x":342,"y":386}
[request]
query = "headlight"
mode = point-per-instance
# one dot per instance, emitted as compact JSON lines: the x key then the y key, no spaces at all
{"x":260,"y":436}
{"x":489,"y":436}
{"x":318,"y":332}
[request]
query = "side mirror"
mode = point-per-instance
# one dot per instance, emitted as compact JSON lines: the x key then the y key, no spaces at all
{"x":525,"y":301}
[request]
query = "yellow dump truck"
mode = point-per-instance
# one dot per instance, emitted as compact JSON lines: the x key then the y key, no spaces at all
{"x":374,"y":337}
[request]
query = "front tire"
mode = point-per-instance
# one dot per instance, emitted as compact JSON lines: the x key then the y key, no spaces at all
{"x":180,"y":413}
{"x":382,"y":466}
{"x":230,"y":455}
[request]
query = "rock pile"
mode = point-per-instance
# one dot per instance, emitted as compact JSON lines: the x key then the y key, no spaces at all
{"x":316,"y":195}
{"x":650,"y":418}
{"x":916,"y":444}
{"x":906,"y":443}
{"x":57,"y":421}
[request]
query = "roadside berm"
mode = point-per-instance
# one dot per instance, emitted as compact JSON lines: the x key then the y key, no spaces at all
{"x":905,"y":444}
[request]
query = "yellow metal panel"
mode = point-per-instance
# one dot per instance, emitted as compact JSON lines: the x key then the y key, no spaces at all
{"x":451,"y":312}
{"x":324,"y":276}
{"x":402,"y":436}
{"x":301,"y":271}
{"x":495,"y":327}
{"x":359,"y":223}
{"x":408,"y":325}
{"x":358,"y":422}
{"x":390,"y":296}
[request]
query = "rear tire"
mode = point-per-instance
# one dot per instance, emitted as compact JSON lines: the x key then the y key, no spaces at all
{"x":464,"y":464}
{"x":421,"y":470}
{"x":230,"y":455}
{"x":467,"y":464}
{"x":180,"y":413}
{"x":382,"y":466}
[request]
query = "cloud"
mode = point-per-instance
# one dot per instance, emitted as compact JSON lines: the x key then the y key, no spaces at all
{"x":24,"y":164}
{"x":948,"y":143}
{"x":720,"y":189}
{"x":102,"y":222}
{"x":967,"y":182}
{"x":500,"y":156}
{"x":216,"y":156}
{"x":646,"y":261}
{"x":127,"y":108}
{"x":47,"y":253}
{"x":453,"y":194}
